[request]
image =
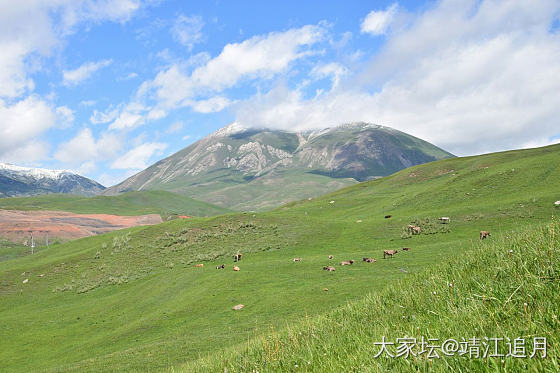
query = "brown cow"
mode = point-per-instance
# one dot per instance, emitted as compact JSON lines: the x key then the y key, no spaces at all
{"x":221,"y":266}
{"x":328,"y":268}
{"x":369,"y":260}
{"x":347,"y":263}
{"x":414,"y":229}
{"x":484,"y":234}
{"x":236,"y":268}
{"x":237,"y":257}
{"x":199,"y":265}
{"x":297,"y":260}
{"x":389,"y":252}
{"x":406,"y":248}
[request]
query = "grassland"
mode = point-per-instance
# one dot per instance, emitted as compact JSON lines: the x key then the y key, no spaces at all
{"x":132,"y":203}
{"x":133,"y":301}
{"x":10,"y":250}
{"x":507,"y":288}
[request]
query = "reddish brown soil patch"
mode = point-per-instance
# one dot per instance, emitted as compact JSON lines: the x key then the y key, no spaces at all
{"x":60,"y":225}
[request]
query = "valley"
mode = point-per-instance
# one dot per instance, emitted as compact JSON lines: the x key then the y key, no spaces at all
{"x":139,"y":288}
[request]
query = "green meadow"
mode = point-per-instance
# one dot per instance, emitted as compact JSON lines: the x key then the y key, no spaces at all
{"x":133,"y":300}
{"x":131,"y":203}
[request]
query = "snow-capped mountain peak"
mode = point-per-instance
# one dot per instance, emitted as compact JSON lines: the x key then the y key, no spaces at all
{"x":18,"y":181}
{"x":37,"y":173}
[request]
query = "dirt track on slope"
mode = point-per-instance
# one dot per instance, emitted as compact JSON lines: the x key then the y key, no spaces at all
{"x":17,"y":226}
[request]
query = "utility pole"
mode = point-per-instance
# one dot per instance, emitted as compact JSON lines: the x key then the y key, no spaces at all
{"x":32,"y":244}
{"x":47,"y":239}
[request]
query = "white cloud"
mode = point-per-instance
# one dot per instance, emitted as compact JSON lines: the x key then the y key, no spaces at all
{"x":13,"y":78}
{"x":109,"y":115}
{"x":27,"y":28}
{"x":22,"y":123}
{"x":84,"y":148}
{"x":258,"y":57}
{"x":471,"y":77}
{"x":30,"y":153}
{"x":188,"y":30}
{"x":131,"y":75}
{"x":212,"y":105}
{"x":74,"y":12}
{"x":30,"y":31}
{"x":378,"y":21}
{"x":65,"y":116}
{"x":333,"y":70}
{"x":127,"y":120}
{"x":138,"y":157}
{"x":78,"y":75}
{"x":86,"y":168}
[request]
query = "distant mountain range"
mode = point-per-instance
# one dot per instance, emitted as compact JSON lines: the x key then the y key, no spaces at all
{"x":18,"y":181}
{"x":252,"y":169}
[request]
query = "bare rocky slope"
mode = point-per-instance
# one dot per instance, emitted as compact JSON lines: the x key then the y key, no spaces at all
{"x":254,"y":169}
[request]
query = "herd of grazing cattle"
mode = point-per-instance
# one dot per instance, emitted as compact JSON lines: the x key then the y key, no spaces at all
{"x":386,"y":253}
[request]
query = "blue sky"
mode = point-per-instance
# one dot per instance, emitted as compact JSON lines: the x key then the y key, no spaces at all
{"x":106,"y":88}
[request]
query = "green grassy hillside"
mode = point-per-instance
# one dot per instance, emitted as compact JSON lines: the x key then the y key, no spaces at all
{"x":505,"y":288}
{"x":133,"y":300}
{"x":10,"y":250}
{"x":133,"y":203}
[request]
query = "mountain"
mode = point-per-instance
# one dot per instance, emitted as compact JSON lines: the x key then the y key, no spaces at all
{"x":254,"y":169}
{"x":16,"y":181}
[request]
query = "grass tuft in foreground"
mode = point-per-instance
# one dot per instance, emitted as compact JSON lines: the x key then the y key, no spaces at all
{"x":507,"y":287}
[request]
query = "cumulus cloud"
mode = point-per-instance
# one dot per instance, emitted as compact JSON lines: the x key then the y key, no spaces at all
{"x":138,"y":157}
{"x":471,"y":77}
{"x":188,"y":30}
{"x":28,"y":28}
{"x":30,"y":153}
{"x":258,"y":57}
{"x":198,"y":82}
{"x":25,"y":28}
{"x":378,"y":21}
{"x":127,"y":120}
{"x":22,"y":123}
{"x":86,"y":70}
{"x":29,"y":32}
{"x":85,"y":148}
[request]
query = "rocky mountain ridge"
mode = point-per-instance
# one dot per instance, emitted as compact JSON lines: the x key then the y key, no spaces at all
{"x":234,"y":157}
